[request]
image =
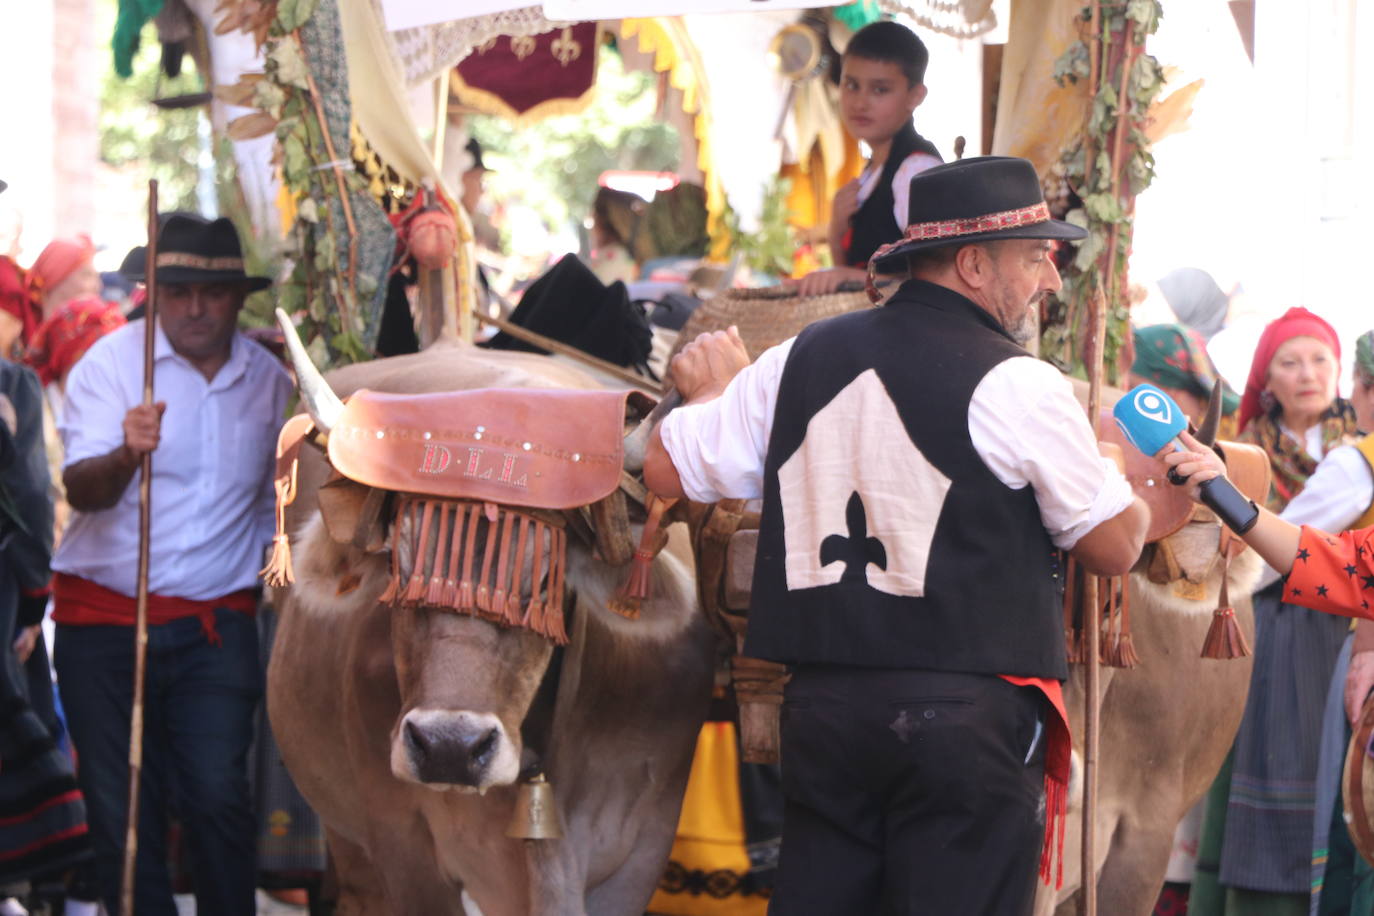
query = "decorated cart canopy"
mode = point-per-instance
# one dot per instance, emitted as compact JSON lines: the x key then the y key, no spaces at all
{"x":341,"y":114}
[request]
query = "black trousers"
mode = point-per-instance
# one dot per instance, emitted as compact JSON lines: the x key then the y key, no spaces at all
{"x":909,"y":792}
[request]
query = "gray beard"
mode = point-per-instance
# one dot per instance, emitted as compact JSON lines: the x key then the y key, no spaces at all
{"x":1025,"y":330}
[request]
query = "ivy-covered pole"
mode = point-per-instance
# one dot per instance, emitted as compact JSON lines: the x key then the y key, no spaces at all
{"x":1106,"y":169}
{"x":341,"y":243}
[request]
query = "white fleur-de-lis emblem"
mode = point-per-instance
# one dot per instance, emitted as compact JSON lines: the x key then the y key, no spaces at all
{"x":522,"y":46}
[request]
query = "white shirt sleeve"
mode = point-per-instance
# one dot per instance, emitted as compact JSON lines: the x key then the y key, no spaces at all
{"x":912,"y":166}
{"x":1030,"y":430}
{"x":1333,"y":499}
{"x":92,"y":421}
{"x":718,"y":447}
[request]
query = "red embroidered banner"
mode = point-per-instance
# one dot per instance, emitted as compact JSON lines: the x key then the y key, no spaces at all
{"x":530,"y":76}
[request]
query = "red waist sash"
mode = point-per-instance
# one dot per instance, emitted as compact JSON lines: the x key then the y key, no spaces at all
{"x":82,"y":603}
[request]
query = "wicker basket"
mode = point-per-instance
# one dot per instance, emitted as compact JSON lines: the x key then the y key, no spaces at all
{"x":766,"y":316}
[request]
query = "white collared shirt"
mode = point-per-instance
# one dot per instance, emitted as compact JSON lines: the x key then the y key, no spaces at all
{"x":212,"y":496}
{"x":1023,"y":420}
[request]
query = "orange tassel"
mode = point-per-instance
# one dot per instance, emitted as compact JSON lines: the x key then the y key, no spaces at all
{"x":630,"y":597}
{"x":554,"y":618}
{"x":498,"y":595}
{"x":484,"y":580}
{"x":450,"y":596}
{"x":512,"y":605}
{"x":1225,"y":639}
{"x":278,"y":573}
{"x":415,"y":589}
{"x":466,"y":600}
{"x":435,"y":593}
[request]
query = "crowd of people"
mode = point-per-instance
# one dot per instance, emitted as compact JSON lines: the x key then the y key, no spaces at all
{"x":916,"y":509}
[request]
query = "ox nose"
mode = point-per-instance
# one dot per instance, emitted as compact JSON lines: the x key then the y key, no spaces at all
{"x":454,"y":748}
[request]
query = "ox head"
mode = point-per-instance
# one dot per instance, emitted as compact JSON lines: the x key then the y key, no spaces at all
{"x":469,"y":683}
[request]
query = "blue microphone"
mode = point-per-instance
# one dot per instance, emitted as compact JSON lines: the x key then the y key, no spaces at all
{"x":1150,"y":420}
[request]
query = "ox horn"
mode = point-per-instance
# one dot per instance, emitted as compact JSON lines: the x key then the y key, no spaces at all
{"x":1207,"y":432}
{"x":637,"y":441}
{"x":319,"y":399}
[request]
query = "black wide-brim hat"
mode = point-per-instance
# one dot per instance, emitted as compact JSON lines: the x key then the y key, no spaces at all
{"x":193,"y":249}
{"x":974,"y":200}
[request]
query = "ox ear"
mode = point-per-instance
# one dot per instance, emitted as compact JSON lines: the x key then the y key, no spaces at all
{"x":1207,"y":433}
{"x":319,"y":399}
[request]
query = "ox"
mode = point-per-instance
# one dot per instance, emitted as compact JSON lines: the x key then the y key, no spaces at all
{"x":1166,"y":724}
{"x":407,"y":728}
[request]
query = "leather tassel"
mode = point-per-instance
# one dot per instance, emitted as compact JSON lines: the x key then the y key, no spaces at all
{"x":466,"y":599}
{"x":484,"y":580}
{"x":393,"y":582}
{"x":513,"y":609}
{"x":498,"y":595}
{"x":415,"y":589}
{"x":629,"y":599}
{"x":278,"y":572}
{"x":435,"y":593}
{"x":1126,"y":654}
{"x":1225,"y":639}
{"x":450,"y":595}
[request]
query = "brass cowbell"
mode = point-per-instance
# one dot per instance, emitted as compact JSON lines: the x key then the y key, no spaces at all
{"x":535,"y":817}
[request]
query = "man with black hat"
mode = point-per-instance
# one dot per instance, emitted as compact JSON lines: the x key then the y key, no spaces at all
{"x":221,"y":400}
{"x":918,"y":470}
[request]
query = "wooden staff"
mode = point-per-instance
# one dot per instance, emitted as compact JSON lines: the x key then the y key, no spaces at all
{"x":1092,"y":702}
{"x":145,"y":503}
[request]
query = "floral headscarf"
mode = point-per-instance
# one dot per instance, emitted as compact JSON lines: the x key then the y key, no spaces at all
{"x":1174,"y":356}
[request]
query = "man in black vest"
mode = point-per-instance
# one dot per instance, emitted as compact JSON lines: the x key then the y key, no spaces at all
{"x":919,"y":472}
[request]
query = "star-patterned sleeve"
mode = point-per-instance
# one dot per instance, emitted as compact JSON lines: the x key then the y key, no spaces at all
{"x":1333,"y":573}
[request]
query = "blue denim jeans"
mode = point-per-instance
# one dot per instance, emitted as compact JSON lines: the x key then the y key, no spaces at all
{"x":199,"y":701}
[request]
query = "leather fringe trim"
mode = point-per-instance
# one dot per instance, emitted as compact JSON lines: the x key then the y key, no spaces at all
{"x":444,"y":559}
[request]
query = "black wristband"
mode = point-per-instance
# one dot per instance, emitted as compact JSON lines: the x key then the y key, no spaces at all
{"x":1235,"y":511}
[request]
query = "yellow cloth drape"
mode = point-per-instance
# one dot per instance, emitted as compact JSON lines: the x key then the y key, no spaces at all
{"x":710,"y":831}
{"x":1036,"y":118}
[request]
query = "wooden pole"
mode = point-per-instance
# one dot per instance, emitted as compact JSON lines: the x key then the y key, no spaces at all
{"x":145,"y":501}
{"x":557,"y":346}
{"x":1092,"y":647}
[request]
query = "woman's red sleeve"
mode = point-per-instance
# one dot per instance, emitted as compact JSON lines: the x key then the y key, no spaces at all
{"x":1333,"y":573}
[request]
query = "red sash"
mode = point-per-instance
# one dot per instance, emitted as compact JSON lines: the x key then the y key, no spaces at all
{"x":82,"y":603}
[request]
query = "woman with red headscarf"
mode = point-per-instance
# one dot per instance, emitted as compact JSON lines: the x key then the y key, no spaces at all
{"x":63,"y":271}
{"x":1290,"y":409}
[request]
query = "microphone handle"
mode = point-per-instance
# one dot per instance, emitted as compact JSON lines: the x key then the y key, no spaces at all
{"x":1235,"y":511}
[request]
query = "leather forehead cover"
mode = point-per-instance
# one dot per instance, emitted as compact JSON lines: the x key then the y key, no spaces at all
{"x":1170,"y":507}
{"x":537,"y":448}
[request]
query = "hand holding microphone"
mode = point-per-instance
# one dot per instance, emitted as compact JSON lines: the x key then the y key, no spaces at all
{"x":1153,"y":423}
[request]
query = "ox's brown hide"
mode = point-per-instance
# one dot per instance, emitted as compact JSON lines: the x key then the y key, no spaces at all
{"x":1166,"y":728}
{"x":633,"y":697}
